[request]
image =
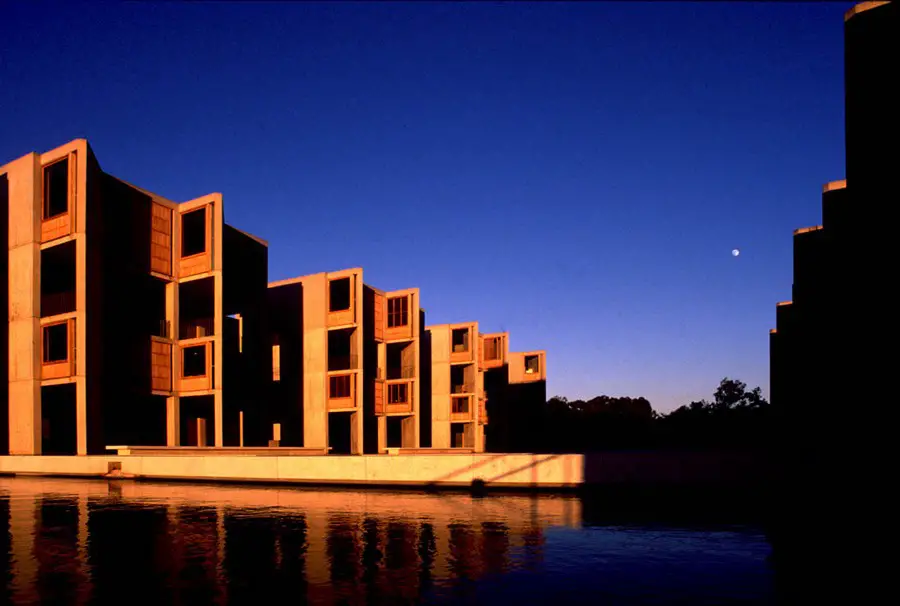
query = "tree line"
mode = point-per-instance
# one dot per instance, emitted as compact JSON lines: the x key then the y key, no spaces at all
{"x":736,"y":417}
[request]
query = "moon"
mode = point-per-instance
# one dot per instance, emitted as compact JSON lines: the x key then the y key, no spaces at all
{"x":735,"y":252}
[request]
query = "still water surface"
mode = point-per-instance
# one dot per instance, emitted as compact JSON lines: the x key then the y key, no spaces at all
{"x":98,"y":542}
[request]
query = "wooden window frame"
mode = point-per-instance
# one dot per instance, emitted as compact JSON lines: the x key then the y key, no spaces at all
{"x":468,"y":340}
{"x":394,"y":390}
{"x":207,"y":237}
{"x":338,"y":380}
{"x":537,"y":359}
{"x":398,"y":318}
{"x":206,"y":362}
{"x":45,"y":345}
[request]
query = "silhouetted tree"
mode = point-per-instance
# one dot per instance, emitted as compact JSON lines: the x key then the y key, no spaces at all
{"x":736,"y":417}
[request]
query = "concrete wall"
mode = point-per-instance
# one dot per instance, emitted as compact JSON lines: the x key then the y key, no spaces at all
{"x":440,"y":386}
{"x":315,"y":361}
{"x":496,"y":470}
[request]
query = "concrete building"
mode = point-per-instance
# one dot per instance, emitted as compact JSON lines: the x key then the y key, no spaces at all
{"x":824,"y":355}
{"x":345,"y":363}
{"x":515,"y":386}
{"x":122,"y":325}
{"x":454,"y":403}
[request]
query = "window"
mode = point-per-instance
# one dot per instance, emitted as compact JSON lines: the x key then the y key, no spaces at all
{"x":398,"y":312}
{"x":193,"y":361}
{"x":398,"y":393}
{"x":532,"y":365}
{"x":56,"y":343}
{"x":492,"y":348}
{"x":56,"y":189}
{"x":339,"y":387}
{"x":460,"y":340}
{"x":193,"y":232}
{"x":339,"y":294}
{"x":460,"y":406}
{"x":276,"y":362}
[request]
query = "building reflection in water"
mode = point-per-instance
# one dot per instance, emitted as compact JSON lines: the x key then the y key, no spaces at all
{"x":86,"y":542}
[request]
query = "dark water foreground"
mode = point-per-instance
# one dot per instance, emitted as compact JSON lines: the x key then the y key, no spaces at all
{"x":92,"y":542}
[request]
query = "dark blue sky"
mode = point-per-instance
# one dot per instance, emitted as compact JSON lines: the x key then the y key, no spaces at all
{"x":576,"y":174}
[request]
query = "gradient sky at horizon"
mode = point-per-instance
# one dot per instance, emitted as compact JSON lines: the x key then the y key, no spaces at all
{"x":575,"y":173}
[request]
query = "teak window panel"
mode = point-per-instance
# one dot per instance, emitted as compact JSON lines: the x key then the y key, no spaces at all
{"x":398,"y":312}
{"x":161,"y":240}
{"x":339,"y":387}
{"x":58,"y":349}
{"x":58,"y":198}
{"x":161,"y":366}
{"x":493,"y":349}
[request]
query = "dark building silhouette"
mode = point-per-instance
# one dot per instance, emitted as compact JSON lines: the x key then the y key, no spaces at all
{"x":827,"y":351}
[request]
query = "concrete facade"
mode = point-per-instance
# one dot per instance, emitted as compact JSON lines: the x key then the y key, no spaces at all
{"x":120,"y":325}
{"x":139,"y":321}
{"x":456,"y":400}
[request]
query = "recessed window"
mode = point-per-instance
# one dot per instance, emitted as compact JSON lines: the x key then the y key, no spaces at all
{"x":398,"y":393}
{"x":398,"y":312}
{"x":56,"y":343}
{"x":460,"y":340}
{"x":339,"y":294}
{"x":532,"y":365}
{"x":56,"y":189}
{"x":492,"y":348}
{"x":460,"y":406}
{"x":339,"y":387}
{"x":193,"y":232}
{"x":193,"y":361}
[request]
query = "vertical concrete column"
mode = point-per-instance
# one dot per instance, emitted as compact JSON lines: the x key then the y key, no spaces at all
{"x":24,"y":389}
{"x":173,"y":404}
{"x":217,"y":242}
{"x":410,"y":432}
{"x":382,"y":434}
{"x":315,"y":362}
{"x":440,"y":387}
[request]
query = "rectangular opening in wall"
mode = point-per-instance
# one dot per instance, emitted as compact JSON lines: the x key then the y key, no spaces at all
{"x":394,"y":432}
{"x":56,"y":189}
{"x":460,"y":340}
{"x":339,"y":294}
{"x":198,"y":421}
{"x":193,"y":361}
{"x":532,"y":365}
{"x":193,"y":232}
{"x":59,"y":435}
{"x":339,"y":432}
{"x":56,"y":343}
{"x":398,"y":393}
{"x":341,"y":354}
{"x":400,"y":360}
{"x":58,"y":280}
{"x":458,"y":435}
{"x":459,"y":379}
{"x":156,"y":304}
{"x":196,"y":308}
{"x":398,"y":311}
{"x":339,"y":387}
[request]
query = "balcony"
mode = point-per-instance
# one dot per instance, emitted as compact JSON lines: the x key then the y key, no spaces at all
{"x":342,"y":363}
{"x":401,"y":372}
{"x":54,"y":304}
{"x":56,"y":211}
{"x":341,"y":302}
{"x":342,"y":392}
{"x":467,"y":387}
{"x":460,"y":408}
{"x":197,"y":328}
{"x":461,"y":345}
{"x":492,"y":352}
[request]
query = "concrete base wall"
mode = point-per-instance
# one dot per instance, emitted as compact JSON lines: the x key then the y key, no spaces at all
{"x":495,"y":470}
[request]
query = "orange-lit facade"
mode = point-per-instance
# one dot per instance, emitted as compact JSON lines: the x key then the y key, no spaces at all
{"x":134,"y":320}
{"x":121,"y":327}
